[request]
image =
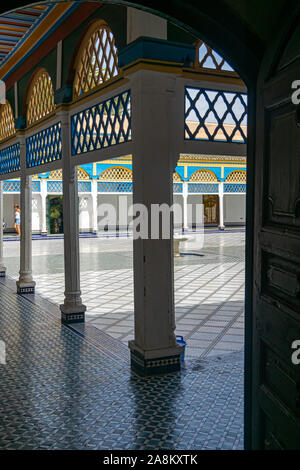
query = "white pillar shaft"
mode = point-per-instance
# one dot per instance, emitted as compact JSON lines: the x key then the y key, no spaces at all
{"x":185,"y":204}
{"x":43,"y":207}
{"x":221,"y":207}
{"x":94,"y":206}
{"x":152,"y":184}
{"x":25,"y":284}
{"x":72,"y":308}
{"x":2,"y":267}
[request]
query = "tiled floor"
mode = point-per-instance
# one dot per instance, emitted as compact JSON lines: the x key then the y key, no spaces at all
{"x":60,"y":390}
{"x":209,"y":289}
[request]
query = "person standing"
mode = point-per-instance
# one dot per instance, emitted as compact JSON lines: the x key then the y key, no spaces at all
{"x":17,"y":219}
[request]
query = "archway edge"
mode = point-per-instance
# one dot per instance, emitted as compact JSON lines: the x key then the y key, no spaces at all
{"x":214,"y":22}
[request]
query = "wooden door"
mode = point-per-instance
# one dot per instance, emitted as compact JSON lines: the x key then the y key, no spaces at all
{"x":276,"y":291}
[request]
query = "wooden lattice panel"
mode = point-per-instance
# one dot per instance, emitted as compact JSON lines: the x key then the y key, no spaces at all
{"x":207,"y":58}
{"x":237,"y":176}
{"x":7,"y":122}
{"x":203,"y":176}
{"x":57,"y":175}
{"x":176,"y":177}
{"x":97,"y":59}
{"x":116,"y":174}
{"x":40,"y":98}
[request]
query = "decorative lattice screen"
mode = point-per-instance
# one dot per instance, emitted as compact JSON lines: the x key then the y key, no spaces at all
{"x":105,"y":124}
{"x":215,"y":115}
{"x":177,"y":187}
{"x":234,"y":188}
{"x":203,"y":176}
{"x":10,"y":159}
{"x":57,"y":174}
{"x":176,"y":177}
{"x":116,"y":173}
{"x":203,"y":188}
{"x":82,"y":175}
{"x":114,"y":186}
{"x":207,"y":58}
{"x":97,"y":59}
{"x":7,"y":122}
{"x":40,"y":97}
{"x":237,"y":176}
{"x":44,"y":146}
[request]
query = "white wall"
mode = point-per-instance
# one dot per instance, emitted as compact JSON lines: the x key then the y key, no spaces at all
{"x":193,"y":201}
{"x":36,"y":213}
{"x":235,"y":209}
{"x":178,"y":210}
{"x":141,"y":23}
{"x":121,"y":203}
{"x":8,"y":210}
{"x":85,"y":213}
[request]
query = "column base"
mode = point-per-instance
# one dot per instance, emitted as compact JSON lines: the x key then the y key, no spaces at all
{"x":44,"y":234}
{"x":2,"y":271}
{"x":25,"y":287}
{"x":148,"y":363}
{"x":72,"y":314}
{"x":221,"y":227}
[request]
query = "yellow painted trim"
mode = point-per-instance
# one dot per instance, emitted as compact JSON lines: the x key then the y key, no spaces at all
{"x":211,"y":163}
{"x":222,"y":171}
{"x":185,"y":171}
{"x":105,"y":87}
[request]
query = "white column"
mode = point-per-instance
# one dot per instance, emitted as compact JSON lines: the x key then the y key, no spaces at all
{"x":141,"y":23}
{"x":95,"y":206}
{"x":2,"y":267}
{"x":185,"y":204}
{"x":154,"y":348}
{"x":25,"y":284}
{"x":43,"y":207}
{"x":221,"y":207}
{"x":72,"y":309}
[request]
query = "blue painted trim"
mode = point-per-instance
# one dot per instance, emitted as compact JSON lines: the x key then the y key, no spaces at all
{"x":157,"y":49}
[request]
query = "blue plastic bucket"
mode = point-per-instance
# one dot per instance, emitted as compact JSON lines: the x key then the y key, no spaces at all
{"x":181,"y":342}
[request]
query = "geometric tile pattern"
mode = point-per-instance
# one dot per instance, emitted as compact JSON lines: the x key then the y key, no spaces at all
{"x":209,"y":290}
{"x":10,"y":159}
{"x":60,"y":391}
{"x":215,"y":115}
{"x":103,"y":125}
{"x":44,"y":146}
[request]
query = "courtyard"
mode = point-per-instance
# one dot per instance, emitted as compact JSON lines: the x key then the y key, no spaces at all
{"x":209,"y":287}
{"x":70,"y":387}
